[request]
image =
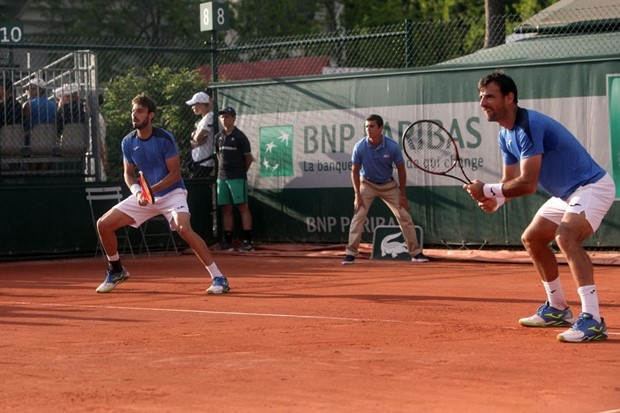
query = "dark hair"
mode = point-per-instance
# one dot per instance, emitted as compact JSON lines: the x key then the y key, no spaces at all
{"x":505,"y":83}
{"x":143,"y":100}
{"x":376,"y":118}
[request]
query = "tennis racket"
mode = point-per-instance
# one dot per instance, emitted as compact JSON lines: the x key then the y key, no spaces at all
{"x":431,"y":148}
{"x":147,"y":192}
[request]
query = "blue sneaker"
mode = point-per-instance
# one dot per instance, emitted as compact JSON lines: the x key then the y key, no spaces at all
{"x":548,"y":316}
{"x":112,"y":280}
{"x":219,"y":286}
{"x":585,"y":329}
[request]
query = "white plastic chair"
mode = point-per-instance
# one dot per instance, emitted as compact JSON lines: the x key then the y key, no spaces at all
{"x":74,"y":139}
{"x":11,"y":140}
{"x":102,"y":199}
{"x":44,"y":140}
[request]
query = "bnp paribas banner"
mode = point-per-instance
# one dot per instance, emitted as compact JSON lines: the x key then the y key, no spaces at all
{"x":312,"y":149}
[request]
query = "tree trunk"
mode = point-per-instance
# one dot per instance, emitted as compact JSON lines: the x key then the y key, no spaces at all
{"x":495,"y":22}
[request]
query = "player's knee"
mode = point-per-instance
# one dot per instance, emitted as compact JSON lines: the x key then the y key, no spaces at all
{"x":565,"y":239}
{"x":184,"y":230}
{"x":102,"y":224}
{"x":529,"y":239}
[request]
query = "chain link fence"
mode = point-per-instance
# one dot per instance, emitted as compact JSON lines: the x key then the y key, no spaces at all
{"x":94,"y":66}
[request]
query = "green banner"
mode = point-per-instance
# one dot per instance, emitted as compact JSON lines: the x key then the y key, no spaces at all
{"x":276,"y":150}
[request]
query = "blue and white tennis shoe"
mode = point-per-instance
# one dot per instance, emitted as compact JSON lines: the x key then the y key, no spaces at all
{"x":548,"y":316}
{"x":219,"y":286}
{"x":112,"y":280}
{"x":585,"y":329}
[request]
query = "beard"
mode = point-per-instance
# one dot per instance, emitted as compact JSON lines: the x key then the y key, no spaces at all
{"x":491,"y":115}
{"x":140,"y":125}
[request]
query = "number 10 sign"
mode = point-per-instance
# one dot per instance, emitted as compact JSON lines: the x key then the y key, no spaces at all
{"x":214,"y":16}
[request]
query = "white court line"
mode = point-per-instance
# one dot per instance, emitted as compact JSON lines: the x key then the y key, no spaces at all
{"x":307,"y":317}
{"x":610,"y":411}
{"x":177,"y":310}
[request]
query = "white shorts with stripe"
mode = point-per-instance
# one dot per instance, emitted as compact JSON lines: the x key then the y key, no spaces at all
{"x":168,"y":205}
{"x":593,"y":199}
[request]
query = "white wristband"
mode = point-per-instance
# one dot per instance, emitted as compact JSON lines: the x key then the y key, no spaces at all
{"x":499,"y":202}
{"x":493,"y":190}
{"x":135,"y":188}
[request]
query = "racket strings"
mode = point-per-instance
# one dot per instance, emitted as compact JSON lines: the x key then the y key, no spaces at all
{"x":430,"y":147}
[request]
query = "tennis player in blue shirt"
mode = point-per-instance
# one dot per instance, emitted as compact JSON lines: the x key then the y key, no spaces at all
{"x":539,"y":152}
{"x":153,"y":151}
{"x":374,"y":158}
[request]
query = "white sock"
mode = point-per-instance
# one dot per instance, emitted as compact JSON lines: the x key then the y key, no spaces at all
{"x":555,"y":294}
{"x":214,"y":271}
{"x":589,"y":301}
{"x":114,"y":257}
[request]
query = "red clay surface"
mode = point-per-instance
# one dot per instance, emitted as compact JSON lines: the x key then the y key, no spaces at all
{"x":297,"y":334}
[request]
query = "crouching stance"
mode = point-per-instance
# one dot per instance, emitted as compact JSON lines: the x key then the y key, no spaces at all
{"x":153,"y":151}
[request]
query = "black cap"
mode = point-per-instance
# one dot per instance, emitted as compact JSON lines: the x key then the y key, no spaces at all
{"x":228,"y":111}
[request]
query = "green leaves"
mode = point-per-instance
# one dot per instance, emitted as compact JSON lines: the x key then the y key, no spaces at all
{"x":169,"y":88}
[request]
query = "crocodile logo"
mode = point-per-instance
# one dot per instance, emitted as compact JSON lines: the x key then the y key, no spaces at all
{"x":393,"y":248}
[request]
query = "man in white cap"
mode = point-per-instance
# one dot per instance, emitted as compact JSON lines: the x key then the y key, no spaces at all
{"x":71,"y":109}
{"x":201,"y":141}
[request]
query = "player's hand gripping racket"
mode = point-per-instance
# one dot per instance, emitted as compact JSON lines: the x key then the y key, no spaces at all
{"x":431,"y":148}
{"x":147,"y":192}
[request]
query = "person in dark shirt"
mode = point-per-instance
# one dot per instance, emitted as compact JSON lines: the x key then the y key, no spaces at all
{"x":10,"y":109}
{"x":235,"y":157}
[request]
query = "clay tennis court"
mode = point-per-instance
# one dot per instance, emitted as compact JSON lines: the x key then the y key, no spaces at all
{"x":299,"y":332}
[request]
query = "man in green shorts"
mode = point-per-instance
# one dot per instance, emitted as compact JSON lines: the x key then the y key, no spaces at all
{"x":235,"y":157}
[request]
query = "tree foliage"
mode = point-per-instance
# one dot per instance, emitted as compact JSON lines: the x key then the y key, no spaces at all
{"x":143,"y":19}
{"x":258,"y":18}
{"x":168,"y":88}
{"x":179,"y":19}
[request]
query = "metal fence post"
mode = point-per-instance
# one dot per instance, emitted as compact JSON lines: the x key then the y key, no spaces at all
{"x":409,"y":43}
{"x":214,"y":79}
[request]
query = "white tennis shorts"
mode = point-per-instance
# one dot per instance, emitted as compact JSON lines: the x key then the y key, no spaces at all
{"x":593,"y":199}
{"x":168,"y":205}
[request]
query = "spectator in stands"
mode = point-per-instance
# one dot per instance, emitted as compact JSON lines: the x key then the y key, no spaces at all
{"x":10,"y":109}
{"x":70,"y":107}
{"x":37,"y":109}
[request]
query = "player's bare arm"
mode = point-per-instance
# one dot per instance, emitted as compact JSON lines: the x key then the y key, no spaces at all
{"x":129,"y":173}
{"x":521,"y":178}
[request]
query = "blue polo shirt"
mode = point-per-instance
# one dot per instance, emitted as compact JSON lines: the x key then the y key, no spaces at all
{"x":150,"y":155}
{"x":566,"y":165}
{"x":377,"y":162}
